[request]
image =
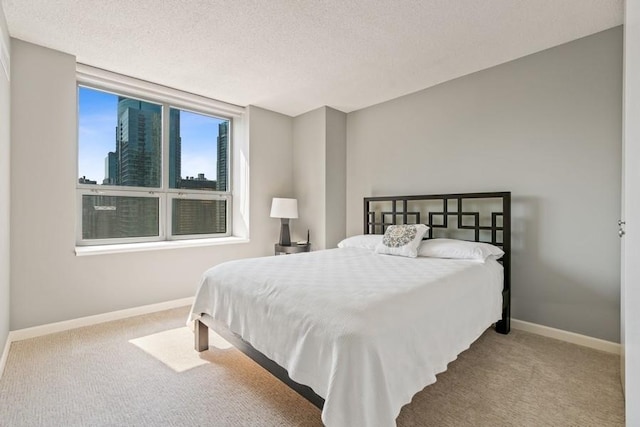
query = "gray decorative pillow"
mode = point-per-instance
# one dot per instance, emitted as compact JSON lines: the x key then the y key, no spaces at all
{"x":402,"y":240}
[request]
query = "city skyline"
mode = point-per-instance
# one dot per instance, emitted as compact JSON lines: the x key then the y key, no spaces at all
{"x":134,"y":158}
{"x":98,"y":123}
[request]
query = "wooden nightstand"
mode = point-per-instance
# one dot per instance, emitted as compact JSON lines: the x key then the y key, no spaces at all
{"x":295,"y":248}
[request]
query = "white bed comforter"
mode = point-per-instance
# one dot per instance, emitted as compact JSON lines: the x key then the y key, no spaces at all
{"x":365,"y":331}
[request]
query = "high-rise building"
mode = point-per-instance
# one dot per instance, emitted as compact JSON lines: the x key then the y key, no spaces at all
{"x":223,"y":155}
{"x":139,"y":143}
{"x":110,"y":169}
{"x":175,"y":148}
{"x":137,"y":159}
{"x":222,"y":181}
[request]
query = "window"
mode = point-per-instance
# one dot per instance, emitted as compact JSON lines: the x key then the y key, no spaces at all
{"x":149,"y":170}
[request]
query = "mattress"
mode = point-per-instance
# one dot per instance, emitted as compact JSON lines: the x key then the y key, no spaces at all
{"x":364,"y":331}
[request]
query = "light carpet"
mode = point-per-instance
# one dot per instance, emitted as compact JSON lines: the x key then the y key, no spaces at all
{"x":142,"y":371}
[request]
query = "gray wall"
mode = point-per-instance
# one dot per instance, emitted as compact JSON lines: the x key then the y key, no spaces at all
{"x":4,"y":192}
{"x":309,"y":133}
{"x":319,"y":175}
{"x":336,"y":177}
{"x":546,"y":127}
{"x":49,"y":282}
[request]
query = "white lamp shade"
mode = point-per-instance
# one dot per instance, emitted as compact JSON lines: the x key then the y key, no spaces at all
{"x":284,"y":208}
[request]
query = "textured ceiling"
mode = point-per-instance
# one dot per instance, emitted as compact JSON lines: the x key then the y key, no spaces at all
{"x":293,"y":56}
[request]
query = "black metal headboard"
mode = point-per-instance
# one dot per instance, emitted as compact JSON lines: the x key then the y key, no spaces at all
{"x":479,"y":217}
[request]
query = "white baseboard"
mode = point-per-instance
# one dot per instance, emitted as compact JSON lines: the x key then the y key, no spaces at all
{"x":37,"y":331}
{"x":559,"y":334}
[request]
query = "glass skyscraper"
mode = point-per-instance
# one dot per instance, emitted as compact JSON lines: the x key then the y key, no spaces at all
{"x":223,"y":156}
{"x":139,"y":143}
{"x":137,"y":161}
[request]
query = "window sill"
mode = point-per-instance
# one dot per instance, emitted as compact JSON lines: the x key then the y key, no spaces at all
{"x":155,"y":246}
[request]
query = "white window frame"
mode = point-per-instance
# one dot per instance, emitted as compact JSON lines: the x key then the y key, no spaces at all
{"x":94,"y":78}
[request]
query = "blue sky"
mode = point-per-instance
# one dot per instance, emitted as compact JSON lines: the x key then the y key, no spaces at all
{"x":97,"y":120}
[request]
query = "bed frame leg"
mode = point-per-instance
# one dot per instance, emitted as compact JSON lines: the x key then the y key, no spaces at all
{"x":201,"y":336}
{"x":504,"y":326}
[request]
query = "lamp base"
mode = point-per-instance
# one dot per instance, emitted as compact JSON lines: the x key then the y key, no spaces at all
{"x":285,"y":237}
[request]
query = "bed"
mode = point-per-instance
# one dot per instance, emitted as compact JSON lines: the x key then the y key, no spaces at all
{"x":359,"y":333}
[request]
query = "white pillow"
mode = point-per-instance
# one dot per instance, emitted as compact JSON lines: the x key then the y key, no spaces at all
{"x":459,"y":249}
{"x":402,"y":240}
{"x":365,"y":241}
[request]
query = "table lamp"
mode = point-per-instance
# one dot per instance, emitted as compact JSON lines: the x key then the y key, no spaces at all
{"x":284,"y":209}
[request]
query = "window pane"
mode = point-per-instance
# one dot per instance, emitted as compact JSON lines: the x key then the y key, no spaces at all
{"x":199,"y":217}
{"x":198,"y":151}
{"x":119,"y":140}
{"x":113,"y":217}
